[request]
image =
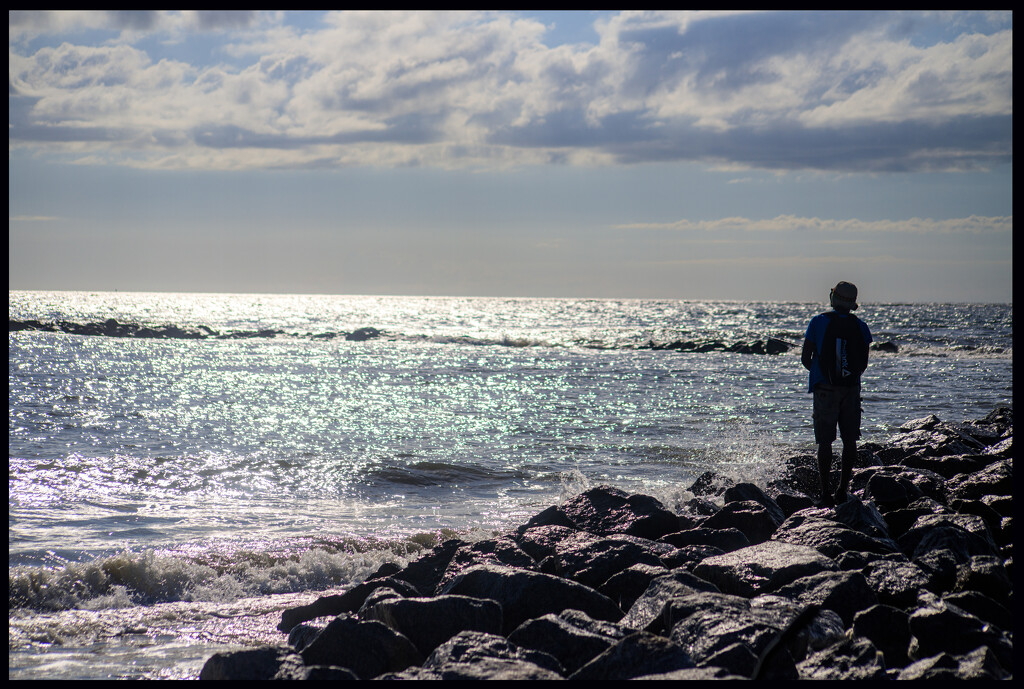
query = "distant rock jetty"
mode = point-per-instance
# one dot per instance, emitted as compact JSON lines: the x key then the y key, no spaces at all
{"x":911,"y":578}
{"x":112,"y":328}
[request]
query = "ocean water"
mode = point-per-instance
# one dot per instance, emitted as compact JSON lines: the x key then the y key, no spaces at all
{"x":169,"y":497}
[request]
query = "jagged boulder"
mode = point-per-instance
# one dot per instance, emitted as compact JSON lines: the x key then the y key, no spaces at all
{"x":524,"y":595}
{"x":753,"y":519}
{"x":269,"y":662}
{"x":640,"y":653}
{"x":646,"y":612}
{"x":813,"y":528}
{"x":573,"y":639}
{"x":762,"y":568}
{"x":366,"y":647}
{"x":429,"y":622}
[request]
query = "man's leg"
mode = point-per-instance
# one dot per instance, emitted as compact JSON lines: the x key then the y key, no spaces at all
{"x":849,"y":458}
{"x":824,"y":471}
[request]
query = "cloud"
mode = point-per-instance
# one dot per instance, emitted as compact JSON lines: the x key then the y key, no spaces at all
{"x":861,"y":91}
{"x":790,"y":223}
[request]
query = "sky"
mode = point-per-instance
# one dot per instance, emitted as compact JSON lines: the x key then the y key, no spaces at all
{"x":754,"y":156}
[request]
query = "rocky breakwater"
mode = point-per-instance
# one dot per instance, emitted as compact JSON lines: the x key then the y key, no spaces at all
{"x":910,"y":578}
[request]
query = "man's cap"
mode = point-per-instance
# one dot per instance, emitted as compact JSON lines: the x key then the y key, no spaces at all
{"x":844,"y":296}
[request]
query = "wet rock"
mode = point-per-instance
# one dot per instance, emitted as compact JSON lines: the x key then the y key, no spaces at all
{"x":863,"y":517}
{"x":982,"y":607}
{"x":424,"y":574}
{"x":646,"y":612}
{"x":429,"y":622}
{"x":695,"y":674}
{"x":499,"y":669}
{"x":502,"y":550}
{"x":888,"y":628}
{"x":986,"y":575}
{"x":753,"y":519}
{"x":965,"y":535}
{"x":845,"y":593}
{"x":980,"y":663}
{"x":363,"y":334}
{"x":270,"y":662}
{"x":940,"y":564}
{"x":995,"y":479}
{"x":748,"y":491}
{"x":707,"y":624}
{"x":938,"y":627}
{"x":896,"y":583}
{"x":901,"y":520}
{"x":762,"y":568}
{"x":813,"y":529}
{"x":572,"y":641}
{"x":709,"y":483}
{"x":629,"y":584}
{"x":726,"y":539}
{"x":605,"y":510}
{"x":851,"y":658}
{"x":480,"y":648}
{"x":640,"y":653}
{"x":592,"y":561}
{"x":367,"y":648}
{"x":524,"y":595}
{"x":350,"y":601}
{"x":540,"y":541}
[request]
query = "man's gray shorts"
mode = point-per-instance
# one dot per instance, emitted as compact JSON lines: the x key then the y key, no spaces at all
{"x":836,"y":405}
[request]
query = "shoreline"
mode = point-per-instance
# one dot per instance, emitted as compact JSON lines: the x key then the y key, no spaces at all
{"x":910,"y":578}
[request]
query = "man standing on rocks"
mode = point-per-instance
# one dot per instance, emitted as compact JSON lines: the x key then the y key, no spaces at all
{"x":836,"y":353}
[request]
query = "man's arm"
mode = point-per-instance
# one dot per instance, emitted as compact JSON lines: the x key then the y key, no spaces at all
{"x":807,"y":354}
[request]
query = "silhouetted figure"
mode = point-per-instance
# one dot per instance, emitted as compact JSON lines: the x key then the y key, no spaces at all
{"x":836,"y":353}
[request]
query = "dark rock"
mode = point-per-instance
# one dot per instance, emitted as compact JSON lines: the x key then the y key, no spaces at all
{"x":640,"y":653}
{"x":901,"y":520}
{"x":567,"y":639}
{"x":981,"y":663}
{"x":995,"y":479}
{"x":982,"y":607}
{"x":605,"y":510}
{"x":524,"y":595}
{"x":845,"y":593}
{"x":363,"y":334}
{"x":896,"y":583}
{"x":850,"y":658}
{"x":726,"y":539}
{"x":888,"y":628}
{"x":736,"y":658}
{"x":993,"y":519}
{"x":592,"y":561}
{"x":986,"y":575}
{"x":813,"y":528}
{"x":762,"y":568}
{"x":700,"y":507}
{"x":963,"y":534}
{"x":499,"y":669}
{"x":629,"y":584}
{"x":790,"y":502}
{"x":757,"y":522}
{"x":891,"y":491}
{"x":940,"y":564}
{"x":425,"y":573}
{"x":367,"y":648}
{"x":926,"y":423}
{"x":474,"y":648}
{"x":252,"y":664}
{"x":938,"y":627}
{"x":748,"y":491}
{"x":709,"y":483}
{"x":323,"y":672}
{"x":504,"y":551}
{"x":1002,"y":449}
{"x":950,"y":465}
{"x":689,"y":556}
{"x":887,"y":347}
{"x":863,"y":517}
{"x":429,"y":622}
{"x":646,"y":612}
{"x":350,"y":601}
{"x":706,"y":624}
{"x":301,"y":634}
{"x":694,"y":674}
{"x":541,"y":540}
